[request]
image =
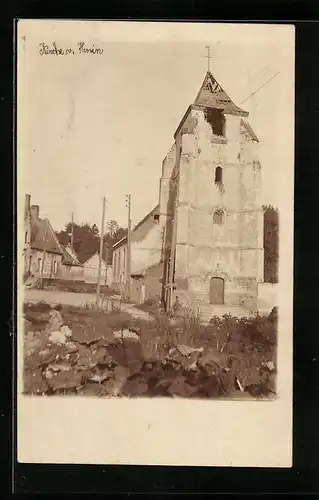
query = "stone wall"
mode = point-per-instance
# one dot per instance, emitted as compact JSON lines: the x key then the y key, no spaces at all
{"x":33,"y":263}
{"x":234,"y":249}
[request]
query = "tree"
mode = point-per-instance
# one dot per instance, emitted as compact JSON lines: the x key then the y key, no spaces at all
{"x":114,"y":234}
{"x":120,"y":233}
{"x":271,"y":244}
{"x":112,"y":227}
{"x":85,"y":239}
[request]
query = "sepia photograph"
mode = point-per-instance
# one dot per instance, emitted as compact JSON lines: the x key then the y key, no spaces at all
{"x":155,"y":192}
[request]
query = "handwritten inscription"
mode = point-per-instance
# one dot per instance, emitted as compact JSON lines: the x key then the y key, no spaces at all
{"x":80,"y":49}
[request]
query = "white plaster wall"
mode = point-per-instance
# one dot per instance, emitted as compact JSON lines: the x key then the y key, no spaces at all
{"x":232,"y":130}
{"x":147,"y":252}
{"x":71,"y":273}
{"x":109,"y":275}
{"x":91,"y":270}
{"x":267,"y":296}
{"x":119,"y":264}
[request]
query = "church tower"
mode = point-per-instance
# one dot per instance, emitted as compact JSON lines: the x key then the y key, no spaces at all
{"x":210,"y":207}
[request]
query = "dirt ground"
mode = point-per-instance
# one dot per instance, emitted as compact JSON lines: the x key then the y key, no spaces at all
{"x":81,"y":300}
{"x":79,"y":350}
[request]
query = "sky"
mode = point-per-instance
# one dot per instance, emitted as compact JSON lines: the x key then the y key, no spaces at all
{"x":100,"y":125}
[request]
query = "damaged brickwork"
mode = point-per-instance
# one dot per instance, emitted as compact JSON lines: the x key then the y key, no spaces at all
{"x":215,"y":227}
{"x":208,"y":235}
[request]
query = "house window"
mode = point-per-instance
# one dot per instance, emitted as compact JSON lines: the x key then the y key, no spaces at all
{"x":156,"y":218}
{"x":39,"y":264}
{"x":218,"y":175}
{"x":55,"y":267}
{"x":26,"y":237}
{"x":218,"y":217}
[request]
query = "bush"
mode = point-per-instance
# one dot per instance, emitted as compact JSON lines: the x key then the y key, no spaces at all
{"x":235,"y":353}
{"x":151,"y":305}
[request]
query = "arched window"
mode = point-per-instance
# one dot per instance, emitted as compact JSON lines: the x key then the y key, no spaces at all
{"x":218,"y":175}
{"x":218,"y":216}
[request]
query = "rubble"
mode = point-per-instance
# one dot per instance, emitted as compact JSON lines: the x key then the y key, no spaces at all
{"x":65,"y":330}
{"x":270,"y":365}
{"x":77,"y":359}
{"x":57,"y":337}
{"x":125,"y":334}
{"x":181,"y":387}
{"x":185,"y":350}
{"x":55,"y":321}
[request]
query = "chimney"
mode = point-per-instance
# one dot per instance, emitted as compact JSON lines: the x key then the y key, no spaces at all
{"x":27,"y":205}
{"x":35,"y":211}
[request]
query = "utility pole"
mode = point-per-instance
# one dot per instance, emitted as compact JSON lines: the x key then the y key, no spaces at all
{"x":98,"y":288}
{"x":107,"y":262}
{"x":128,"y":254}
{"x":44,"y":252}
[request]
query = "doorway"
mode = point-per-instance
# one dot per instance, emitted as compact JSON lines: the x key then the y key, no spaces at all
{"x":216,"y":291}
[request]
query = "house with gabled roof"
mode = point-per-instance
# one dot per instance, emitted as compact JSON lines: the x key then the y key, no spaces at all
{"x":146,"y":250}
{"x":91,"y":270}
{"x":71,"y":267}
{"x":42,"y":250}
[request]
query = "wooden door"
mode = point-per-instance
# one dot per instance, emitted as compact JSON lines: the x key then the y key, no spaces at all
{"x":216,"y":291}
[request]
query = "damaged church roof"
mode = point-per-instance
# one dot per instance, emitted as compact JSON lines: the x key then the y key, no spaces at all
{"x":249,"y":130}
{"x":212,"y":95}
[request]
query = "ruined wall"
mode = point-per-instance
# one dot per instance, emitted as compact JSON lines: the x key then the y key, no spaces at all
{"x":232,"y":250}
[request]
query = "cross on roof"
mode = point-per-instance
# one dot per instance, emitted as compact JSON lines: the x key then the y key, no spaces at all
{"x":208,"y":56}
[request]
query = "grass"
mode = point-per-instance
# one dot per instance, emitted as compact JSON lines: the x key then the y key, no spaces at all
{"x":239,"y":348}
